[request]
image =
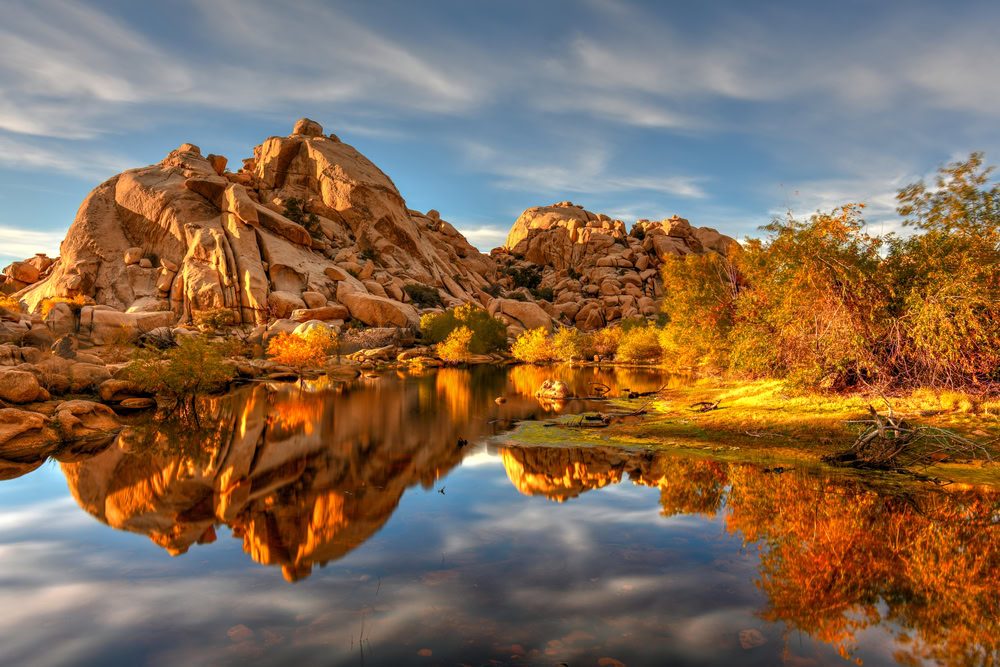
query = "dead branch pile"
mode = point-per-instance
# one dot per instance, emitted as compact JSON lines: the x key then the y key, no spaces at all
{"x":889,"y":442}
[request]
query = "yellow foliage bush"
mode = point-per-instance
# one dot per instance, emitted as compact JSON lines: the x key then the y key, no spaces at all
{"x":567,"y":343}
{"x":10,"y":303}
{"x":455,"y":348}
{"x":640,"y":344}
{"x":533,"y":346}
{"x":75,"y":303}
{"x":307,"y":350}
{"x":604,"y":343}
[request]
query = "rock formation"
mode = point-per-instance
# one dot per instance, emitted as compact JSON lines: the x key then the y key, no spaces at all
{"x":597,"y":271}
{"x":310,"y":229}
{"x":186,"y":235}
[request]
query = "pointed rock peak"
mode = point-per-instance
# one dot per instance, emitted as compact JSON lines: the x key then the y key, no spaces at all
{"x":307,"y":127}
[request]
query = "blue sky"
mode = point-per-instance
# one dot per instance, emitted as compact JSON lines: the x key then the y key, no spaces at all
{"x":724,"y":112}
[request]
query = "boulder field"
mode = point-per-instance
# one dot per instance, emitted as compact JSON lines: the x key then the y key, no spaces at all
{"x":310,"y":229}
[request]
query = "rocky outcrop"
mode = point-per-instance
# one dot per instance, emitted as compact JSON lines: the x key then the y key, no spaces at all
{"x":185,"y":235}
{"x":598,"y":271}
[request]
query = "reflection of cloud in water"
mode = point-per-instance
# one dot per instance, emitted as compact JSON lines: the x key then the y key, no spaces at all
{"x":646,"y":552}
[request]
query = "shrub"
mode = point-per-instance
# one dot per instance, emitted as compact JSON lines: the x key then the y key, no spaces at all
{"x":573,"y":273}
{"x":303,"y":351}
{"x":824,"y":303}
{"x":368,"y":254}
{"x":455,"y":347}
{"x":121,"y":344}
{"x":423,"y":296}
{"x":533,"y":346}
{"x":75,"y":303}
{"x":567,"y":343}
{"x":494,"y":290}
{"x":489,"y":334}
{"x":295,"y":211}
{"x":195,"y":366}
{"x":544,"y":293}
{"x":603,"y":342}
{"x":516,"y":296}
{"x":640,"y":344}
{"x":529,"y":276}
{"x":638,"y":232}
{"x":10,"y":303}
{"x":214,"y":319}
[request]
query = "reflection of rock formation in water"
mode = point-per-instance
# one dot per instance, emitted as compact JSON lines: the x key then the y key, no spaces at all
{"x":686,"y":485}
{"x":559,"y":474}
{"x":303,"y":479}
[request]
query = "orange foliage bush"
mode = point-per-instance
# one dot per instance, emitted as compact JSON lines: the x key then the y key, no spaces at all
{"x":307,"y":350}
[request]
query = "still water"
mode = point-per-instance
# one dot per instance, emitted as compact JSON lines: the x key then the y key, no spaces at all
{"x":344,"y":525}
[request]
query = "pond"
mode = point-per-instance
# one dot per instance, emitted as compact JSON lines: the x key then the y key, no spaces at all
{"x":346,"y":524}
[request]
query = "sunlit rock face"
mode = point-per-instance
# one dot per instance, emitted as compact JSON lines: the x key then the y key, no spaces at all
{"x":186,"y":235}
{"x":302,"y":481}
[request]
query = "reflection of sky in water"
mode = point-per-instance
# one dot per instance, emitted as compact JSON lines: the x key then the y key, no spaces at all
{"x":480,"y":572}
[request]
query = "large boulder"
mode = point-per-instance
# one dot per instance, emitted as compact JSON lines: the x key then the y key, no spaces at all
{"x":554,"y":390}
{"x":379,"y":311}
{"x":104,"y":325}
{"x":25,"y":436}
{"x":529,"y":315}
{"x":18,"y":387}
{"x":85,"y":419}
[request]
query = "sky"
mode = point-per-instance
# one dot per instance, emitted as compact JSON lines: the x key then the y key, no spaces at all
{"x":725,"y":113}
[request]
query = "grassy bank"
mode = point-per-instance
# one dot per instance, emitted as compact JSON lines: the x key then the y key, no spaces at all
{"x":762,"y":421}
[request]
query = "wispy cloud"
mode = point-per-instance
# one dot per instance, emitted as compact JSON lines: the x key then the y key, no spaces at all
{"x":587,"y":171}
{"x":70,"y":160}
{"x":19,"y":243}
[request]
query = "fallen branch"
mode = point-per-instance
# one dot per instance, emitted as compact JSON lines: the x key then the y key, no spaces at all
{"x":891,"y":443}
{"x":706,"y":406}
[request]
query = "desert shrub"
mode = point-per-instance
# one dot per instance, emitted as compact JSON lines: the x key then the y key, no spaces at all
{"x":194,"y":366}
{"x":308,"y":350}
{"x":640,"y":344}
{"x":494,"y":290}
{"x":368,"y":254}
{"x":455,"y":348}
{"x":528,"y":276}
{"x":544,"y":293}
{"x":120,"y":345}
{"x":699,"y":303}
{"x":295,"y":211}
{"x":10,"y":303}
{"x":603,"y":342}
{"x":567,"y":343}
{"x":823,"y":303}
{"x":75,"y":303}
{"x":516,"y":296}
{"x":235,"y":347}
{"x":214,"y":319}
{"x":638,"y":232}
{"x":533,"y":346}
{"x":423,"y":296}
{"x":489,"y":334}
{"x":573,"y":273}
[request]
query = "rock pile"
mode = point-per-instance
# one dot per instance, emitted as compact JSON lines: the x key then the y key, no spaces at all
{"x":597,"y":271}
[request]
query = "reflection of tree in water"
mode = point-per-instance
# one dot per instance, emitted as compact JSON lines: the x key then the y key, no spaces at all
{"x":837,"y":556}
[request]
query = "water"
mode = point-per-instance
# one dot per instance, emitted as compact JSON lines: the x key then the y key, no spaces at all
{"x":344,"y":525}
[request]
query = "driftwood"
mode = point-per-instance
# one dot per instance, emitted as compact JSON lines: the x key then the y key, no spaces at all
{"x":705,"y":406}
{"x":891,"y":443}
